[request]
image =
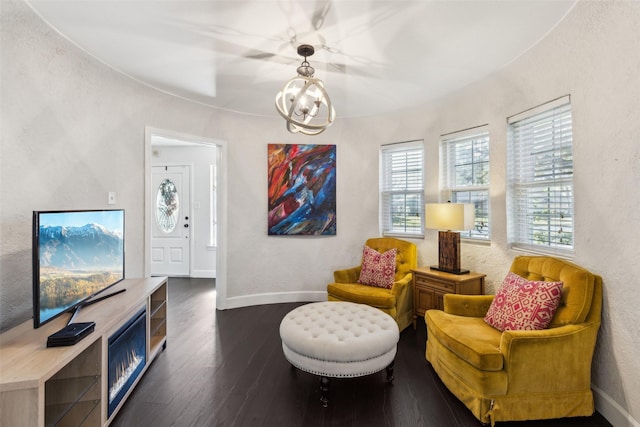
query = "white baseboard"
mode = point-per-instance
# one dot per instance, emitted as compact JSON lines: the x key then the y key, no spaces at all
{"x":203,"y":274}
{"x":611,"y":410}
{"x":276,"y":298}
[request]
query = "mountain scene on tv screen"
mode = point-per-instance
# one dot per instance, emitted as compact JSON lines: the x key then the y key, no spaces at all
{"x":76,"y":262}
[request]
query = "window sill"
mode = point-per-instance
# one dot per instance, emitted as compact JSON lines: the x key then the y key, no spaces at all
{"x":476,"y":242}
{"x":404,"y":236}
{"x":533,"y":251}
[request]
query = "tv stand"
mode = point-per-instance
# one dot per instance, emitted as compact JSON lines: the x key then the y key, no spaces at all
{"x":68,"y":385}
{"x":102,"y":298}
{"x":91,"y":302}
{"x":74,"y":332}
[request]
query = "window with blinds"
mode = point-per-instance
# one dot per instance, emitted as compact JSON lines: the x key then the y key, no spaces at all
{"x":402,"y":189}
{"x":540,"y":178}
{"x":464,"y":167}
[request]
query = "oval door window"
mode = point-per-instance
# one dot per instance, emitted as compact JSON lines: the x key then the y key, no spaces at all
{"x":167,"y":206}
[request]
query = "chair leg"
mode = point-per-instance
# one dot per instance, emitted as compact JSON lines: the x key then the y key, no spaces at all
{"x":324,"y":389}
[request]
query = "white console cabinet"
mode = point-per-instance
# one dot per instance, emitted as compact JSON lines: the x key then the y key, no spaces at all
{"x":67,"y":386}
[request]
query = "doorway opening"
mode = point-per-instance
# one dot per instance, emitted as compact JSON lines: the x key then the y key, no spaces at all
{"x":185,"y":207}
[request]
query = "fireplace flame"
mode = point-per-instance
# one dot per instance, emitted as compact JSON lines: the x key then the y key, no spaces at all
{"x":124,"y":370}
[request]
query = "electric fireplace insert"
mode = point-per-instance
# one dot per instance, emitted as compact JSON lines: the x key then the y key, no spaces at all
{"x":127,"y":357}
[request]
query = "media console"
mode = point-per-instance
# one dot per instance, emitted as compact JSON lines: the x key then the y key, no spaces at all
{"x":69,"y":385}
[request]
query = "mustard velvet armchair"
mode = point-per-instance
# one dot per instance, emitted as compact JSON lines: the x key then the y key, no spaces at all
{"x":520,"y":375}
{"x":397,"y":301}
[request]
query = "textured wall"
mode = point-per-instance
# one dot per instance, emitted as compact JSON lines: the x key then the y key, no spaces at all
{"x":593,"y":55}
{"x":73,"y":129}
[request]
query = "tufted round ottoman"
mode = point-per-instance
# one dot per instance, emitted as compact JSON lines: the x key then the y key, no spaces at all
{"x":339,"y":339}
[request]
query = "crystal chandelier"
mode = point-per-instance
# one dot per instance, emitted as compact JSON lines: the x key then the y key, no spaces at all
{"x":303,"y":102}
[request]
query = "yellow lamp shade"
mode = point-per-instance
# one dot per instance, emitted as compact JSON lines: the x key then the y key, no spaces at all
{"x":449,"y":216}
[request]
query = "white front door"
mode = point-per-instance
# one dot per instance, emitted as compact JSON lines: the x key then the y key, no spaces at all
{"x":170,"y":220}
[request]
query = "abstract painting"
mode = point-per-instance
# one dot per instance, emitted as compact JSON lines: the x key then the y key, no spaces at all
{"x":302,"y":189}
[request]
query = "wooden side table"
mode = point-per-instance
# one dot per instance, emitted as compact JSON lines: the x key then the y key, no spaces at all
{"x":429,"y":287}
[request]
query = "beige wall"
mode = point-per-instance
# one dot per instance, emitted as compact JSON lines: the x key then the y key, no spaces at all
{"x":72,"y":130}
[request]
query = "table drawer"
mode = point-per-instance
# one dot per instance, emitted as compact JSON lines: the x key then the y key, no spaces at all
{"x":445,"y":286}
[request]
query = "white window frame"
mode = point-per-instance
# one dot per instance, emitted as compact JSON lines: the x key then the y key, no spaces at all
{"x":540,"y":199}
{"x":402,"y":188}
{"x":462,"y":151}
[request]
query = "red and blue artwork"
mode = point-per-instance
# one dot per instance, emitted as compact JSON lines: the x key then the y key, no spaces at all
{"x":302,"y":189}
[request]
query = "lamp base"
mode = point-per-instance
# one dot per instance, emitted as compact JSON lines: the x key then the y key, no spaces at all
{"x":449,"y":252}
{"x":448,"y":270}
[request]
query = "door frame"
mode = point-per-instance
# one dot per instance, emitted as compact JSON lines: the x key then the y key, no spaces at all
{"x":221,"y":203}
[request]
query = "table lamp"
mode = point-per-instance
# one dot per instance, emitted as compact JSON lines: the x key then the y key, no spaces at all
{"x":449,"y":216}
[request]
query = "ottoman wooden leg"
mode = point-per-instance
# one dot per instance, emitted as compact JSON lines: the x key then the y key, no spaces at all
{"x":324,"y":389}
{"x":390,"y":370}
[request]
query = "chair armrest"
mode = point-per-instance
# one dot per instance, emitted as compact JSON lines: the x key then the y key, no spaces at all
{"x":549,"y":360}
{"x":467,"y":305}
{"x":349,"y":275}
{"x":399,"y":285}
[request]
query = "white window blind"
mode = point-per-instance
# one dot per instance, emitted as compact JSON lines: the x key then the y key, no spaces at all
{"x":402,"y":189}
{"x":540,"y":179}
{"x":464,"y":166}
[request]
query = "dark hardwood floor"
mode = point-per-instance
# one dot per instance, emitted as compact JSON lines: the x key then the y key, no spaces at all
{"x":226,"y":368}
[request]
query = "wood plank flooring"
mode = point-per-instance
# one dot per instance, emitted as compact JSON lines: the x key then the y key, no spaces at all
{"x":226,"y":368}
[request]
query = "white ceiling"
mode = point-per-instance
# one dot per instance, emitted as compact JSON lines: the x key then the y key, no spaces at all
{"x":374,"y":56}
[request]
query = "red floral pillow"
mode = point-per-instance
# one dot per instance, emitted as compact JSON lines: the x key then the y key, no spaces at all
{"x":521,"y":304}
{"x":378,"y":269}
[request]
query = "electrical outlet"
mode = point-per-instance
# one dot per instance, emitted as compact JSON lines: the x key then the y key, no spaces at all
{"x":112,"y":198}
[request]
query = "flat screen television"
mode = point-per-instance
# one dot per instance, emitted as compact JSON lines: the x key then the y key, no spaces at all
{"x":76,"y":255}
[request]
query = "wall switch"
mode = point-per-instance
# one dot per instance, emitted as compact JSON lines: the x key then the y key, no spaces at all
{"x":112,"y":198}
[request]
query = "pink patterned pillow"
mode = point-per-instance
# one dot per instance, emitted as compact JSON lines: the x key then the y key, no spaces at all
{"x":378,"y":269}
{"x":521,"y":304}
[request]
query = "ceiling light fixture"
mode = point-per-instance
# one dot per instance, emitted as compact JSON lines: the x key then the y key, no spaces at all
{"x":303,"y":102}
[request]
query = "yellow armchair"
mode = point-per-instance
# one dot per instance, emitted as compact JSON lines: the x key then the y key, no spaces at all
{"x":397,"y":301}
{"x":520,"y":375}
